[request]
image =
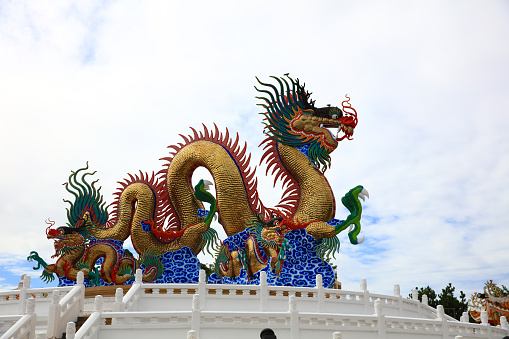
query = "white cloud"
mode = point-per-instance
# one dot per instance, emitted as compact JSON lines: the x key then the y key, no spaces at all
{"x":114,"y":83}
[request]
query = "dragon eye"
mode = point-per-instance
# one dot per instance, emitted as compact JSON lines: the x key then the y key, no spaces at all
{"x":335,"y":116}
{"x":276,"y":223}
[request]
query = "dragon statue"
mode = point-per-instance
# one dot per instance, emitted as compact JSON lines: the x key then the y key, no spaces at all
{"x":494,"y":300}
{"x":168,"y":224}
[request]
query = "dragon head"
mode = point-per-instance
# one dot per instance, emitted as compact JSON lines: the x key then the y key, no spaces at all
{"x":269,"y":233}
{"x":292,"y":119}
{"x":66,"y":239}
{"x":84,"y":216}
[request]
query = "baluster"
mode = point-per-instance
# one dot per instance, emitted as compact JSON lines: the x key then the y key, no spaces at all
{"x":98,"y":303}
{"x":292,"y":304}
{"x":138,"y":276}
{"x":397,"y":291}
{"x":440,"y":312}
{"x":415,"y":295}
{"x":30,"y":307}
{"x":484,"y":318}
{"x":80,"y":278}
{"x":70,"y":330}
{"x":196,"y":302}
{"x":364,"y":285}
{"x":378,"y":307}
{"x":503,"y":321}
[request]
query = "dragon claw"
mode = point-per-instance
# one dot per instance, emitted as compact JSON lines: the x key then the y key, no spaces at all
{"x":207,"y":184}
{"x":363,"y":194}
{"x":359,"y":241}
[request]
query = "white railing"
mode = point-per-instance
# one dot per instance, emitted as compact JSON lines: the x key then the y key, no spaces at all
{"x":209,"y":309}
{"x":262,"y":297}
{"x":290,"y":324}
{"x":8,"y":321}
{"x":67,"y":309}
{"x":90,"y":328}
{"x":130,"y":301}
{"x":13,"y":302}
{"x":21,"y":328}
{"x":292,"y":312}
{"x":10,"y":302}
{"x":24,"y":327}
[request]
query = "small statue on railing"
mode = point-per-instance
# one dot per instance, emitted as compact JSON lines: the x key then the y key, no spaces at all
{"x":494,"y":300}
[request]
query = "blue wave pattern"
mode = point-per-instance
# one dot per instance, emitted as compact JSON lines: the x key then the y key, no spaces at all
{"x":180,"y":266}
{"x":302,"y":265}
{"x":237,"y":241}
{"x":299,"y":269}
{"x":145,"y":227}
{"x":304,"y":150}
{"x":202,"y":213}
{"x":334,"y":222}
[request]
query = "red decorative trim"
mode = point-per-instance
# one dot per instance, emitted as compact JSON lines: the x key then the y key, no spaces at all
{"x":291,"y":195}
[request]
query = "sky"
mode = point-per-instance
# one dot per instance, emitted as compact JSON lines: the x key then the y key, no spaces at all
{"x":115,"y":82}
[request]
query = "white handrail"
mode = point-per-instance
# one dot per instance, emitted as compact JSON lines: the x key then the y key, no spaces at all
{"x":69,"y":298}
{"x":131,"y":296}
{"x":90,"y":327}
{"x":21,"y":328}
{"x":8,"y":321}
{"x":50,"y":289}
{"x":131,"y":293}
{"x":66,"y":309}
